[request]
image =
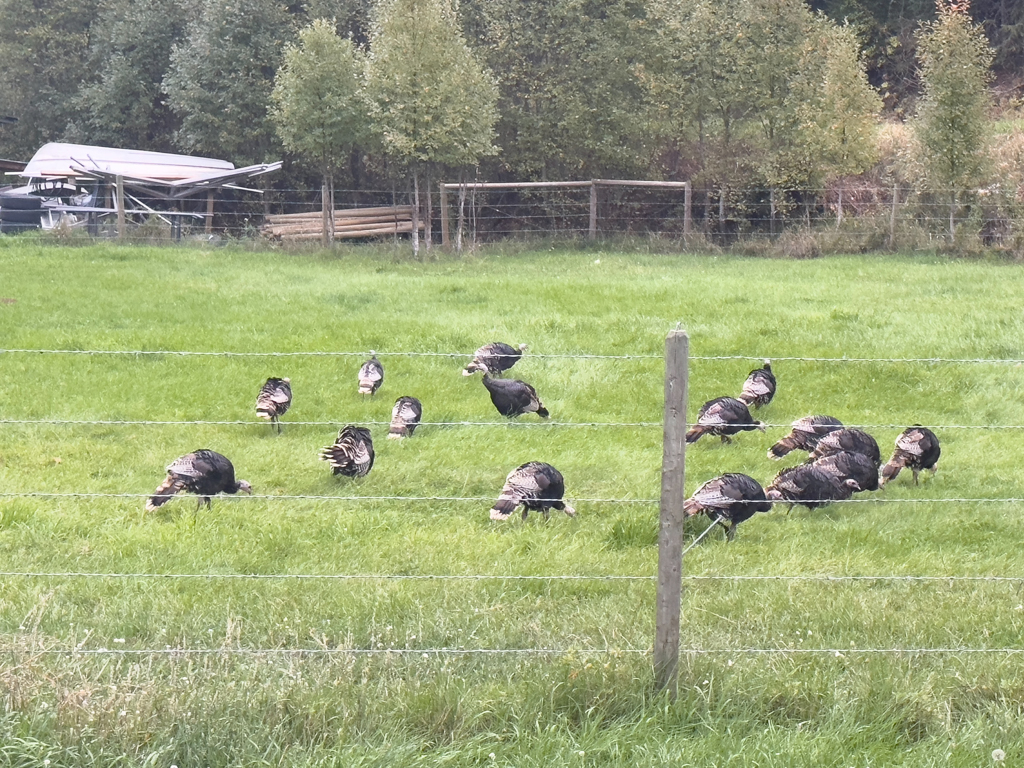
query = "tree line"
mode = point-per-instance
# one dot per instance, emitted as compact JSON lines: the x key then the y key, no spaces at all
{"x":755,"y":93}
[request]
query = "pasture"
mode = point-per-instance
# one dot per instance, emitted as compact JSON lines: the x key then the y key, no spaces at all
{"x":189,"y":625}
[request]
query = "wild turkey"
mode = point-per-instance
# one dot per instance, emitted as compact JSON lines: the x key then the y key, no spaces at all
{"x":759,"y":388}
{"x":535,"y":485}
{"x":851,"y":466}
{"x":494,"y":358}
{"x":847,"y":440}
{"x":514,"y":398}
{"x":916,"y":448}
{"x":405,"y":417}
{"x":734,"y":497}
{"x":809,"y":486}
{"x":204,"y":473}
{"x":723,"y":416}
{"x":805,"y":435}
{"x":274,"y":399}
{"x":371,"y":375}
{"x":352,"y":453}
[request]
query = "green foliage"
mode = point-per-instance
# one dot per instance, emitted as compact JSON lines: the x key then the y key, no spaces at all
{"x":951,"y":121}
{"x":221,"y":77}
{"x":319,"y":97}
{"x":431,"y":101}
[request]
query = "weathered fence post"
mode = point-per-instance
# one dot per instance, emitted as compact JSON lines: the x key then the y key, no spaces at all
{"x":120,"y":206}
{"x":670,"y":531}
{"x":593,"y":210}
{"x":209,"y":212}
{"x":687,"y":211}
{"x":892,"y":217}
{"x":445,"y":236}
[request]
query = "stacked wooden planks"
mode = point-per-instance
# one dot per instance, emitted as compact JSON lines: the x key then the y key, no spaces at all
{"x":348,"y":222}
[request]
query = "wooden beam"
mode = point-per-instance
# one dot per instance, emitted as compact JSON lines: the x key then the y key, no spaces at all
{"x":209,"y":212}
{"x":670,"y":532}
{"x":119,"y":204}
{"x":445,"y":239}
{"x":592,"y":232}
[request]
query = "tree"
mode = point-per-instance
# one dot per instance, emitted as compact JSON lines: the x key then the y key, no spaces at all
{"x":221,"y":76}
{"x":951,"y":121}
{"x":432,"y":103}
{"x":320,"y":105}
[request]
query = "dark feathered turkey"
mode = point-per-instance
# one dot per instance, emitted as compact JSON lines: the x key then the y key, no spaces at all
{"x":723,"y":416}
{"x":204,"y":473}
{"x":514,"y":398}
{"x":809,"y":486}
{"x":805,"y":435}
{"x":851,"y":466}
{"x":494,"y":358}
{"x":352,"y":453}
{"x":371,"y":375}
{"x":535,"y":485}
{"x":759,"y":388}
{"x":847,"y":440}
{"x":733,"y":497}
{"x":917,"y":448}
{"x":405,"y":417}
{"x":274,"y":399}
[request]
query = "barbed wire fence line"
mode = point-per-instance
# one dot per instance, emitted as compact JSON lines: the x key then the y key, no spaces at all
{"x":657,"y":650}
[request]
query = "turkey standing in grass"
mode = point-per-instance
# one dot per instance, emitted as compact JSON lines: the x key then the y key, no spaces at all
{"x":723,"y":416}
{"x":851,"y":466}
{"x":847,"y":440}
{"x":371,"y":375}
{"x":204,"y":473}
{"x":514,"y":398}
{"x":809,"y":486}
{"x":274,"y":399}
{"x":805,"y":435}
{"x":535,"y":485}
{"x":352,"y":453}
{"x":916,"y":448}
{"x":759,"y":388}
{"x":405,"y":417}
{"x":494,"y":358}
{"x":731,"y":498}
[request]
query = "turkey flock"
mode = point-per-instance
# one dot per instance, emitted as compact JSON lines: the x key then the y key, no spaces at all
{"x":841,"y":461}
{"x":533,"y":486}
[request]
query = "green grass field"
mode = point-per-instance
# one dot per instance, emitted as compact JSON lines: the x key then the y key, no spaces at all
{"x":590,"y":702}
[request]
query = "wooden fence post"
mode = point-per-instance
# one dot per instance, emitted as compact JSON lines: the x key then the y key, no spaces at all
{"x":593,"y":210}
{"x":119,"y":202}
{"x":445,"y":237}
{"x":892,"y":217}
{"x":209,"y":212}
{"x":687,"y":210}
{"x":670,"y":531}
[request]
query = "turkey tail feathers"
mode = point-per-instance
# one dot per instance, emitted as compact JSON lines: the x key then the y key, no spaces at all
{"x":504,"y":507}
{"x":783,"y":447}
{"x":164,"y":493}
{"x":694,"y":434}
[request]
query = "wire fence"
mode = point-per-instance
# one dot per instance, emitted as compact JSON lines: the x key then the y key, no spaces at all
{"x":641,"y":579}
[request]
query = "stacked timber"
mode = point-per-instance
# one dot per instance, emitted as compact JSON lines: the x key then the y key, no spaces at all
{"x":348,"y":222}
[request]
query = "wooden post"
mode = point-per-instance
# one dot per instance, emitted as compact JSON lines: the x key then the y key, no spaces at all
{"x":445,"y":238}
{"x":670,"y":531}
{"x":593,"y":210}
{"x":892,"y":217}
{"x":209,"y":212}
{"x":120,"y":208}
{"x":687,"y":210}
{"x":326,"y":214}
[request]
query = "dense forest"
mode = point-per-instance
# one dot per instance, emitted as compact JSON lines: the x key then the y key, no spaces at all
{"x":756,"y":93}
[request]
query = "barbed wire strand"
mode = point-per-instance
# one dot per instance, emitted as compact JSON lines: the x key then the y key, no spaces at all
{"x":837,"y":652}
{"x":185,"y":353}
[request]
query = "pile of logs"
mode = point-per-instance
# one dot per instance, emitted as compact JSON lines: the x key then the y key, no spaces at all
{"x":348,"y":222}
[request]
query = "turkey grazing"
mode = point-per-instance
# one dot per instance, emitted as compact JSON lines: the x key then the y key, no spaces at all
{"x":809,"y":486}
{"x":535,"y":485}
{"x":405,"y":417}
{"x":514,"y":398}
{"x":274,"y":399}
{"x":371,"y":375}
{"x":494,"y":358}
{"x":916,"y":448}
{"x":352,"y":453}
{"x":847,"y":440}
{"x":204,"y":473}
{"x":733,"y":498}
{"x":723,"y":416}
{"x":759,"y":388}
{"x":805,"y":435}
{"x":851,"y":466}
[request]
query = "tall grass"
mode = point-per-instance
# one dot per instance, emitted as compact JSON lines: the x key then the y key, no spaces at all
{"x":591,"y":701}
